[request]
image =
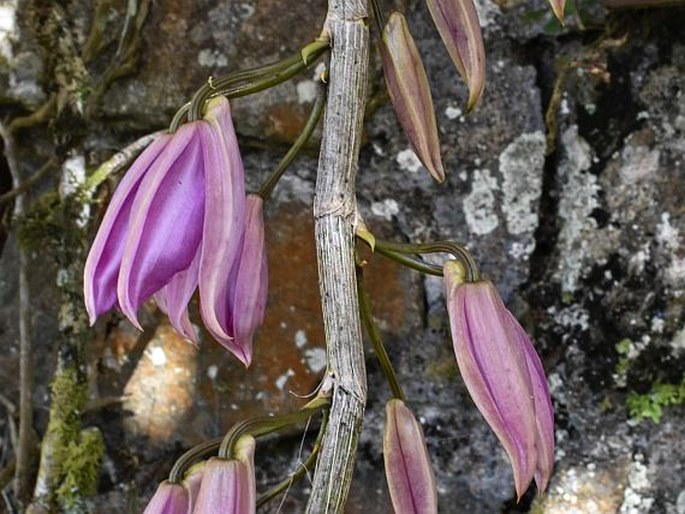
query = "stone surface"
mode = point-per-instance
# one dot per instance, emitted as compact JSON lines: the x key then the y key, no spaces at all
{"x":586,"y":244}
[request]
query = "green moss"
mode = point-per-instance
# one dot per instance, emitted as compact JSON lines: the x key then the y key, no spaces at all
{"x":651,"y":405}
{"x":623,"y":349}
{"x":67,"y":402}
{"x":74,"y":455}
{"x":42,"y":223}
{"x":81,"y":469}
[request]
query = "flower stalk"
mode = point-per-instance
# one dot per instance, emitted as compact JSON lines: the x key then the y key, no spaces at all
{"x":375,"y":337}
{"x":258,"y":79}
{"x":314,"y":118}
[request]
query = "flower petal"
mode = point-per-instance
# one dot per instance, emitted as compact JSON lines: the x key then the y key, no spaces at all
{"x":410,"y":93}
{"x":544,"y":412}
{"x":168,"y":499}
{"x":173,"y":299}
{"x":104,"y":259}
{"x":223,"y":221}
{"x":166,"y":221}
{"x":249,"y":289}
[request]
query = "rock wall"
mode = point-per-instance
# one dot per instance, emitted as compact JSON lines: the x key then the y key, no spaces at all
{"x":566,"y":182}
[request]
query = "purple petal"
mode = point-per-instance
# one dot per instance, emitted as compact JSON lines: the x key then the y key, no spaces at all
{"x":104,"y":259}
{"x":493,"y":366}
{"x":249,"y":289}
{"x":407,"y":464}
{"x":166,"y":221}
{"x":544,"y":412}
{"x":168,"y":499}
{"x":223,"y":221}
{"x":410,"y":93}
{"x":173,"y":299}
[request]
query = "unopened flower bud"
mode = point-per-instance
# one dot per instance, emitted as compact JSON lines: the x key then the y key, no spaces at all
{"x":410,"y":93}
{"x":228,"y":486}
{"x":407,"y":464}
{"x":503,"y":375}
{"x":457,"y":23}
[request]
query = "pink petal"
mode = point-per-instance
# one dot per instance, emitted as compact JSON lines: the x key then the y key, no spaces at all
{"x":249,"y":289}
{"x":166,"y":221}
{"x":173,"y":299}
{"x":104,"y":259}
{"x":223,"y":222}
{"x":544,"y":412}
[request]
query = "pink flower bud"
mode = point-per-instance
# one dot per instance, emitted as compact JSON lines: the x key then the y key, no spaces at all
{"x":457,"y":23}
{"x":407,"y":464}
{"x":503,"y":374}
{"x":410,"y":93}
{"x":228,"y":486}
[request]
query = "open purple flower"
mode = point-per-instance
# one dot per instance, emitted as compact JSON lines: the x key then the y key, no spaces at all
{"x":174,"y":224}
{"x":503,"y":374}
{"x":407,"y":464}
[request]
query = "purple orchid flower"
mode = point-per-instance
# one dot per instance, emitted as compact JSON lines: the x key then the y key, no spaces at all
{"x":503,"y":374}
{"x":407,"y":463}
{"x":174,"y":224}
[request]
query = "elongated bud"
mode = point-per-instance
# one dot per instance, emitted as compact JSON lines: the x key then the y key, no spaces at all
{"x":503,"y":375}
{"x":457,"y":23}
{"x":410,"y":93}
{"x":228,"y":486}
{"x":407,"y":464}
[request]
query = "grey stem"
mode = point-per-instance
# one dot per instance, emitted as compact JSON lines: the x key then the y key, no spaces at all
{"x":334,"y":215}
